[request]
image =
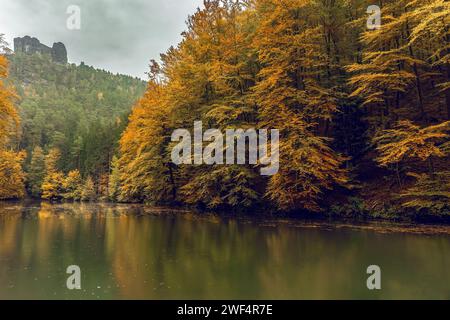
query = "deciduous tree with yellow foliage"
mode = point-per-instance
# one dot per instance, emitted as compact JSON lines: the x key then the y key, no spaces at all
{"x":12,"y":177}
{"x":292,"y":98}
{"x":353,"y":106}
{"x":53,"y":185}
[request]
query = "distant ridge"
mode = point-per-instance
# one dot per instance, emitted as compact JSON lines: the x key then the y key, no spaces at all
{"x":31,"y":45}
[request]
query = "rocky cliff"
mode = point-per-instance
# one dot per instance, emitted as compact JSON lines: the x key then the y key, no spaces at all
{"x":31,"y":45}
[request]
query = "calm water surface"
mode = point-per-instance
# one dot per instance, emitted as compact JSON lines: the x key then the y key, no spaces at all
{"x":132,"y":252}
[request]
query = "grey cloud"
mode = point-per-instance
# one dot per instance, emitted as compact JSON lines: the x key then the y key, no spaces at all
{"x":116,"y":35}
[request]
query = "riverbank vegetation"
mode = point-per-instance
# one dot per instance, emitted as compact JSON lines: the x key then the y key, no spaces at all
{"x":12,"y":177}
{"x":363,"y":114}
{"x":71,"y":118}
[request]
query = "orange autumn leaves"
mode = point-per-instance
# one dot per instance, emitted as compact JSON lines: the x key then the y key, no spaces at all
{"x":12,"y":177}
{"x":344,"y":99}
{"x":237,"y":67}
{"x":9,"y":119}
{"x":296,"y":66}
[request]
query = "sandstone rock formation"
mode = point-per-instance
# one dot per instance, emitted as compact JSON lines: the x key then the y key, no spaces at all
{"x":31,"y":45}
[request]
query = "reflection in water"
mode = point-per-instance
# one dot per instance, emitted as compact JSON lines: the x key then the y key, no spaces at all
{"x":132,"y":252}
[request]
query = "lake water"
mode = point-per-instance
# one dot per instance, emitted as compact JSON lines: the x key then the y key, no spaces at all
{"x":135,"y":252}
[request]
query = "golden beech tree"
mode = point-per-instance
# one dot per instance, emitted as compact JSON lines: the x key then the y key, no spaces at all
{"x":252,"y":64}
{"x":222,"y":187}
{"x":403,"y":60}
{"x":145,"y":173}
{"x":73,"y":186}
{"x":302,"y":67}
{"x":8,"y":113}
{"x":409,"y":142}
{"x":403,"y":81}
{"x":292,"y":98}
{"x":432,"y":32}
{"x":389,"y":67}
{"x":207,"y":77}
{"x":223,"y":30}
{"x":12,"y":177}
{"x":88,"y":192}
{"x":308,"y":166}
{"x":53,"y":185}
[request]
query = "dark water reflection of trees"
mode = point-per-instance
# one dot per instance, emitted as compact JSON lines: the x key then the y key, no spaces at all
{"x":135,"y":252}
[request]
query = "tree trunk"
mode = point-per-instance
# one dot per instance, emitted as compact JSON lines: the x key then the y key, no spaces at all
{"x":172,"y":182}
{"x":447,"y":93}
{"x":417,"y":76}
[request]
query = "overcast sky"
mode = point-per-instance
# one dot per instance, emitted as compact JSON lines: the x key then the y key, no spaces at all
{"x":116,"y":35}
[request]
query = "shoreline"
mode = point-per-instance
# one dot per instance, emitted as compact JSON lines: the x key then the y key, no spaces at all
{"x":264,"y":219}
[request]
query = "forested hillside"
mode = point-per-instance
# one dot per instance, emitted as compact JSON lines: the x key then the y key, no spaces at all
{"x":78,"y":110}
{"x":363,"y":114}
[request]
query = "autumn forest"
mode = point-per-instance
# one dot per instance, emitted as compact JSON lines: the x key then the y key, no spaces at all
{"x":363,"y":113}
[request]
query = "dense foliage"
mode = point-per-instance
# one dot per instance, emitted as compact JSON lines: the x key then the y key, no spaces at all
{"x":78,"y":110}
{"x":363,"y":114}
{"x":12,"y":177}
{"x":345,"y":99}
